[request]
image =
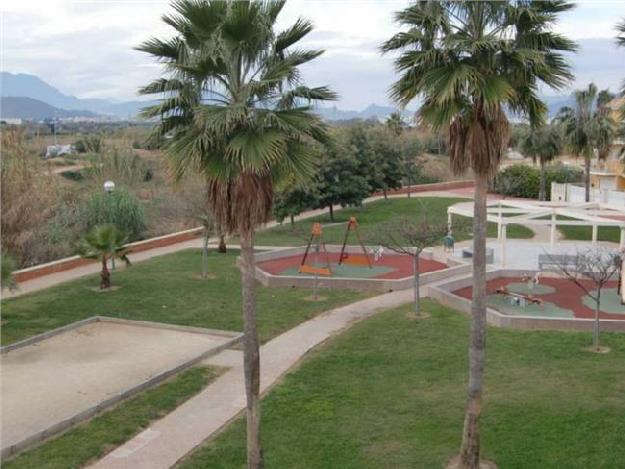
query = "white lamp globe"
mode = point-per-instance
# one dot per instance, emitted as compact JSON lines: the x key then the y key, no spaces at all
{"x":109,"y":186}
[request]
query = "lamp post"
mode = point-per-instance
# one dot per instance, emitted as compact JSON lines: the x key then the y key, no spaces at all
{"x":109,"y":187}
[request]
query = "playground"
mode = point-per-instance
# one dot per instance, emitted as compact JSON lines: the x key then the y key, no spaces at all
{"x":550,"y":297}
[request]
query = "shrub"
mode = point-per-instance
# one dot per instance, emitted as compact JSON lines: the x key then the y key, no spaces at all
{"x":120,"y":208}
{"x":521,"y":180}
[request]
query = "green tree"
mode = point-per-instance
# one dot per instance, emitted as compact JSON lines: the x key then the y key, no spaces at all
{"x":542,"y":144}
{"x":387,"y":168}
{"x":339,"y":180}
{"x":467,"y":61}
{"x":395,"y":123}
{"x":238,"y":113}
{"x":292,"y":201}
{"x":588,"y":127}
{"x":104,"y":243}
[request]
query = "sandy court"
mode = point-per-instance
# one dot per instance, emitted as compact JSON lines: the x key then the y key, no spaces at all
{"x":59,"y":377}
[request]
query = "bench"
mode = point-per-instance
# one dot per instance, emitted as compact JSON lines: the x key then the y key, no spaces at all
{"x":490,"y":254}
{"x":553,"y":261}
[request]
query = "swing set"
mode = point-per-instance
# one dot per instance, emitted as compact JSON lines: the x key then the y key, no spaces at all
{"x":316,"y":240}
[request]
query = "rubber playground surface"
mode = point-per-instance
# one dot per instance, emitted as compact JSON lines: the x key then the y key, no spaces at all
{"x":391,"y":266}
{"x":560,"y":298}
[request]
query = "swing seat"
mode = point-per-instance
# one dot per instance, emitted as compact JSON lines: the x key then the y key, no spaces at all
{"x":307,"y":269}
{"x":356,"y":260}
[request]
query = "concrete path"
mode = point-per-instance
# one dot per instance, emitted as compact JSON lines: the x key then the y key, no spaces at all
{"x":168,"y":440}
{"x":50,"y":280}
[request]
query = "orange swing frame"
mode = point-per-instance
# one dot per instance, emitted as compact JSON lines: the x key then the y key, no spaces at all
{"x":316,"y":236}
{"x":345,"y":257}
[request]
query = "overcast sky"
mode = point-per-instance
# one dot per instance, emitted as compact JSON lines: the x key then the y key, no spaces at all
{"x":84,"y":48}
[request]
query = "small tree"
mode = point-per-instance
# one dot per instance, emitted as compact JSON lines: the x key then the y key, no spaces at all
{"x":386,"y":168}
{"x":291,"y":202}
{"x":104,"y":243}
{"x":208,"y":227}
{"x":598,"y":266}
{"x":411,"y":238}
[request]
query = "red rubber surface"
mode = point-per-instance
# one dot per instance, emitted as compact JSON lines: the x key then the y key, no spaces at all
{"x":402,"y":265}
{"x":567,"y":295}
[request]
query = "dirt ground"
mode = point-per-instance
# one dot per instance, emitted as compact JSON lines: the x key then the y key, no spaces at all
{"x":59,"y":377}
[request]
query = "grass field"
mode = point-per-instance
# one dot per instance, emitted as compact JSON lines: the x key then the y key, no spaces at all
{"x":167,"y":289}
{"x":584,"y":233}
{"x":390,"y":392}
{"x":371,"y":217}
{"x":95,"y":438}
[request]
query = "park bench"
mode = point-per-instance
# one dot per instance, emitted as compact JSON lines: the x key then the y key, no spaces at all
{"x":490,"y":254}
{"x":553,"y":261}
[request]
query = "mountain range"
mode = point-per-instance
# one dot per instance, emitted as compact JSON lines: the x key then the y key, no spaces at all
{"x":33,"y":98}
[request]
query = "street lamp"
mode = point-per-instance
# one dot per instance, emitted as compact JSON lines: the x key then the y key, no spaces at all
{"x":109,"y":187}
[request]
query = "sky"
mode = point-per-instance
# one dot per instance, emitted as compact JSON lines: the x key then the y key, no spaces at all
{"x":85,"y":47}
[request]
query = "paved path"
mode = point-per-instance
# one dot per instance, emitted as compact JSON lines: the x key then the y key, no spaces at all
{"x":56,"y":278}
{"x":167,"y":440}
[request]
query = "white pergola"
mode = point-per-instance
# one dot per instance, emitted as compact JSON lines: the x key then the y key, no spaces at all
{"x":548,"y":214}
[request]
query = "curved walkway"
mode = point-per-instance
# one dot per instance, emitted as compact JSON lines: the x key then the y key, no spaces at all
{"x":168,"y":440}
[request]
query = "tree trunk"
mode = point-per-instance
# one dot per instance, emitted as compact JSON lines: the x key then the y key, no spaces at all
{"x":205,"y":256}
{"x":222,"y":244}
{"x":415,"y":284}
{"x":470,"y":449}
{"x":587,"y":178}
{"x":292,"y":221}
{"x":105,"y":276}
{"x":251,"y":353}
{"x":542,"y":192}
{"x":595,"y":328}
{"x":385,"y":192}
{"x":331,"y":213}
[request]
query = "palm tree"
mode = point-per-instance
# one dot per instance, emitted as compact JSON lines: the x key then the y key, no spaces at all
{"x":588,"y":127}
{"x":467,"y":61}
{"x":395,"y":123}
{"x":104,"y":243}
{"x":238,"y":113}
{"x":542,"y":144}
{"x":620,"y":41}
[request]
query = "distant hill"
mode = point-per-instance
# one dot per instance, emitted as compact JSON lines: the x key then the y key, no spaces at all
{"x":31,"y":86}
{"x":29,"y":108}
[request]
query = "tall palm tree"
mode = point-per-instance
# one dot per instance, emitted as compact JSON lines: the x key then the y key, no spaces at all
{"x":620,"y":41}
{"x":104,"y":243}
{"x":588,"y":127}
{"x":467,"y":61}
{"x":542,"y":144}
{"x":238,"y":112}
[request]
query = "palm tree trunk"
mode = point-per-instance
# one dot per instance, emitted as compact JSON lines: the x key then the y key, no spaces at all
{"x":222,"y":244}
{"x":542,"y":192}
{"x":205,"y":256}
{"x":587,"y":177}
{"x":470,"y":449}
{"x":105,"y":275}
{"x":251,"y":353}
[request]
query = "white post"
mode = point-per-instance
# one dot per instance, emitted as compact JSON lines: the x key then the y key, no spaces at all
{"x":622,"y":243}
{"x":552,"y":237}
{"x":499,"y":223}
{"x":503,"y":244}
{"x":594,"y":235}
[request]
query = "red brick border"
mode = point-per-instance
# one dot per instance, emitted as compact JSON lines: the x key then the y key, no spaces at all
{"x":73,"y":262}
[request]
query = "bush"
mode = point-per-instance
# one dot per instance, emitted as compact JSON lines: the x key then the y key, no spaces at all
{"x":120,"y":208}
{"x":521,"y":180}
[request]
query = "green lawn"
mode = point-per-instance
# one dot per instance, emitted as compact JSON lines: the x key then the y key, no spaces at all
{"x":167,"y":289}
{"x":584,"y":233}
{"x":390,"y":392}
{"x":370,"y":217}
{"x":95,"y":438}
